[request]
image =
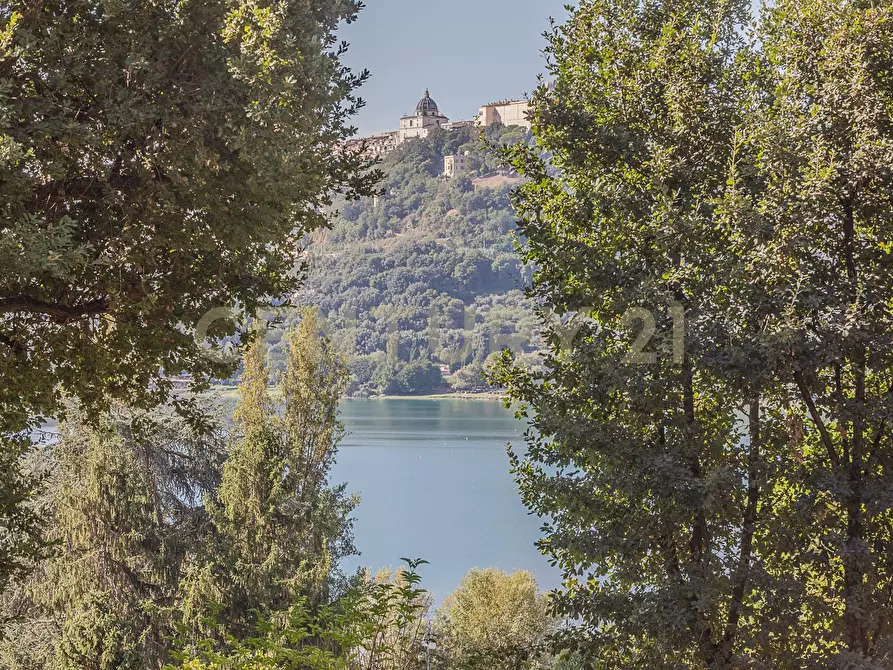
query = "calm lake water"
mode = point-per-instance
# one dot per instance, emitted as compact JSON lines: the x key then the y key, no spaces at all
{"x":435,"y":484}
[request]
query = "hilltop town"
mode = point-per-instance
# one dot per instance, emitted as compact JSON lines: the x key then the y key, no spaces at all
{"x":428,"y":117}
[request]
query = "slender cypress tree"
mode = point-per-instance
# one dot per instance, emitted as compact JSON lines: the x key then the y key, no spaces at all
{"x":282,"y":526}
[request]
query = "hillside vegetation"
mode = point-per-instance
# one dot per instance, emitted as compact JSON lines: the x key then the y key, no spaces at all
{"x":422,"y":284}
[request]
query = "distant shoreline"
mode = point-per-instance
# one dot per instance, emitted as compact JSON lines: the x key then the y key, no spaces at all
{"x":449,"y":395}
{"x":489,"y":395}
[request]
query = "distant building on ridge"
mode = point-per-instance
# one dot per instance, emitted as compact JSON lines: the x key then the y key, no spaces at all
{"x":427,"y":117}
{"x":454,"y":125}
{"x":506,"y":112}
{"x":455,"y":165}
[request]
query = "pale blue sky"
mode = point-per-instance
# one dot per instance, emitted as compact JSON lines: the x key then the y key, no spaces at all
{"x":467,"y":52}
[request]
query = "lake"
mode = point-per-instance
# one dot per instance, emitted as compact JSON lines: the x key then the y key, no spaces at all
{"x":435,"y":484}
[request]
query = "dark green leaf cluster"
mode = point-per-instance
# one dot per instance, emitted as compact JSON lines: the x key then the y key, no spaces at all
{"x":377,"y":625}
{"x":157,"y":160}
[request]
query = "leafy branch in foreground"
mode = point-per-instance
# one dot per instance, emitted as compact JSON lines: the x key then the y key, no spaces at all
{"x":378,"y":625}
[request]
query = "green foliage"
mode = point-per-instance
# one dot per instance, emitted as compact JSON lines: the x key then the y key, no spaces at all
{"x":296,"y":639}
{"x":493,"y":619}
{"x":378,"y":625}
{"x":725,"y":504}
{"x":21,"y":526}
{"x":393,"y":609}
{"x":418,"y":377}
{"x":283,"y":526}
{"x":157,"y":161}
{"x":568,"y":661}
{"x":425,"y":275}
{"x":136,"y":200}
{"x":819,"y":223}
{"x":123,"y":511}
{"x":96,"y":636}
{"x":154,"y":522}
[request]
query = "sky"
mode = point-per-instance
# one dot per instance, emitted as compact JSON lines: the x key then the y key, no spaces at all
{"x":467,"y":52}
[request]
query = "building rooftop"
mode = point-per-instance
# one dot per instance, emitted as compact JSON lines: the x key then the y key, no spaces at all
{"x":426,"y":105}
{"x":504,"y":102}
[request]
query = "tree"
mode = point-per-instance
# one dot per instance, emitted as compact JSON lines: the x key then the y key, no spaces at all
{"x":824,"y":301}
{"x":710,"y":422}
{"x":158,"y":529}
{"x":419,"y":377}
{"x":568,"y":661}
{"x":393,"y":611}
{"x":123,"y":508}
{"x":21,"y":540}
{"x":159,"y":161}
{"x":140,"y":190}
{"x":283,"y":527}
{"x":493,"y":619}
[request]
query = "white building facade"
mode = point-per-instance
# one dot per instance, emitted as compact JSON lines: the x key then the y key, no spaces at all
{"x":455,"y":165}
{"x":427,"y":117}
{"x":506,"y":112}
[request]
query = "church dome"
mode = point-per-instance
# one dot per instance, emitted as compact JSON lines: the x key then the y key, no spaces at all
{"x":426,"y":105}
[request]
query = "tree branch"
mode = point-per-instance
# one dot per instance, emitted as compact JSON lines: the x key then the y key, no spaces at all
{"x":748,"y":528}
{"x":817,"y":418}
{"x":60,"y":313}
{"x":13,"y":344}
{"x":80,"y":187}
{"x":877,"y":440}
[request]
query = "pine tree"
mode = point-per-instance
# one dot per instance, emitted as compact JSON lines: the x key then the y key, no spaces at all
{"x":22,"y":543}
{"x":155,"y":527}
{"x":124,"y":513}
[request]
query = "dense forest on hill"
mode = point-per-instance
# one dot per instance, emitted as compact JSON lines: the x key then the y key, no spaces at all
{"x":422,"y":284}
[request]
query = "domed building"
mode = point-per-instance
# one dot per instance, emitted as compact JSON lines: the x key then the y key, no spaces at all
{"x":427,"y":117}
